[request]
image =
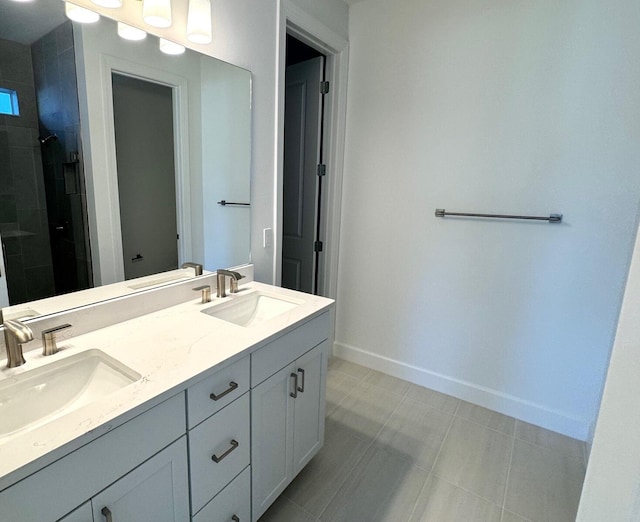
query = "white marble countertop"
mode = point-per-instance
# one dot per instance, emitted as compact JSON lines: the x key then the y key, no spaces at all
{"x":172,"y":349}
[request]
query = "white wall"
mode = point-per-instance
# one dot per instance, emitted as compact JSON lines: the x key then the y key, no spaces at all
{"x":333,"y":14}
{"x":509,"y":107}
{"x":611,"y":488}
{"x":225,"y":135}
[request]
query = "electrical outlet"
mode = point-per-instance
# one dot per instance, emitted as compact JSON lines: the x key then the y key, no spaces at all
{"x":267,"y":238}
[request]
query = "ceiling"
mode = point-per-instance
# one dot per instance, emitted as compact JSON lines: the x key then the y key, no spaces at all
{"x":20,"y":22}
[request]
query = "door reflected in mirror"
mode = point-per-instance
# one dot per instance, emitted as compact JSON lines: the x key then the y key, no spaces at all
{"x":61,"y":172}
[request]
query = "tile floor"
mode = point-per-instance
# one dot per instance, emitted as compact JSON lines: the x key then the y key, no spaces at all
{"x":397,"y":452}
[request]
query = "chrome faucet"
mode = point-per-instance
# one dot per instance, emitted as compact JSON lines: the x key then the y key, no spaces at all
{"x":196,"y":266}
{"x":15,"y":335}
{"x":234,"y":277}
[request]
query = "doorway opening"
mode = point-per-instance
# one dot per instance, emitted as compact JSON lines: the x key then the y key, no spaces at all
{"x":144,"y":139}
{"x":305,"y":89}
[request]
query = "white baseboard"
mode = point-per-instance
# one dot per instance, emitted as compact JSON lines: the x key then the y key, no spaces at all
{"x":488,"y":398}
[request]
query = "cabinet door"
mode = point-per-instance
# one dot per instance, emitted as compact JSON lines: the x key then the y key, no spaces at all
{"x":308,"y":432}
{"x":271,"y":438}
{"x":156,"y":490}
{"x":82,"y":514}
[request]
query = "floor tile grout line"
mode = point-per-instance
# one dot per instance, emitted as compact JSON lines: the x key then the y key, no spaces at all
{"x":346,"y":476}
{"x":552,"y":450}
{"x":467,"y":491}
{"x":350,"y":391}
{"x":506,"y":484}
{"x":300,"y":507}
{"x":384,"y":425}
{"x":444,"y":440}
{"x":415,"y":505}
{"x":366,"y":449}
{"x":484,"y":426}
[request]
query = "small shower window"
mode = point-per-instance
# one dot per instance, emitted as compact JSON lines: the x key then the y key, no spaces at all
{"x":9,"y":102}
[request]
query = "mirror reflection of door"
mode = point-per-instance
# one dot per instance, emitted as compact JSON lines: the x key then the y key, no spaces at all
{"x":302,"y":155}
{"x":143,"y":120}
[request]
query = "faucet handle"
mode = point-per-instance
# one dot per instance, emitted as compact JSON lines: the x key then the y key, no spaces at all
{"x":234,"y":283}
{"x":206,"y":293}
{"x":49,"y":345}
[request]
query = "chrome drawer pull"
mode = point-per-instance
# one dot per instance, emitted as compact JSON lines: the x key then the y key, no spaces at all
{"x":235,"y":518}
{"x":232,"y":386}
{"x":234,"y":445}
{"x":301,"y":388}
{"x":294,"y":393}
{"x":106,"y":513}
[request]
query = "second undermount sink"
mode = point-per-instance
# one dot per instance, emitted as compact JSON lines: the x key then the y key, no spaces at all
{"x":252,"y":309}
{"x":38,"y":396}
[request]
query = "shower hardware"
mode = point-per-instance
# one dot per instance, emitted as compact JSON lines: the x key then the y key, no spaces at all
{"x":552,"y":218}
{"x":46,"y":139}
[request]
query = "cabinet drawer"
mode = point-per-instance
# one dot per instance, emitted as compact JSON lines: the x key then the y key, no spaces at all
{"x":213,"y":393}
{"x":276,"y":355}
{"x":224,"y":436}
{"x":235,"y":499}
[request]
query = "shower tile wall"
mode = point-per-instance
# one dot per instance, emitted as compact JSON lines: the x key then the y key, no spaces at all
{"x":23,"y":214}
{"x":57,"y":96}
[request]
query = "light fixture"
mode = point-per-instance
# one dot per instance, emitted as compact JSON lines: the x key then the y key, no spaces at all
{"x":168,"y":47}
{"x":80,"y":14}
{"x":111,"y":4}
{"x":157,"y":12}
{"x":130,"y":33}
{"x":199,"y":21}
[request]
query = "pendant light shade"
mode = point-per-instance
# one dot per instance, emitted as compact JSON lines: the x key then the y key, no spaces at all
{"x":130,"y":33}
{"x":199,"y":21}
{"x":111,"y":4}
{"x":157,"y":12}
{"x":80,"y":14}
{"x":168,"y":47}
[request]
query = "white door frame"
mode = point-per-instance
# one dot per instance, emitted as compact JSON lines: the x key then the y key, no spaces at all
{"x":110,"y":228}
{"x":307,"y":29}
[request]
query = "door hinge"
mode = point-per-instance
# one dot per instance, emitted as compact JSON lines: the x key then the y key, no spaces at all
{"x":324,"y":87}
{"x":322,"y":170}
{"x":317,"y":246}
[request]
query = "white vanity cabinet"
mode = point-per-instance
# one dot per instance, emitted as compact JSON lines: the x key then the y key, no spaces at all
{"x":287,"y":409}
{"x":221,"y":449}
{"x":156,"y":490}
{"x":83,"y":514}
{"x":59,"y":488}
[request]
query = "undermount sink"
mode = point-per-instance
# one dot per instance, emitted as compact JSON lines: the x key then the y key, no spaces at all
{"x":41,"y":395}
{"x":252,"y":309}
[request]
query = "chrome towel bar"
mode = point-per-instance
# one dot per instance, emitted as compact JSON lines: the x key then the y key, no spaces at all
{"x":552,"y":218}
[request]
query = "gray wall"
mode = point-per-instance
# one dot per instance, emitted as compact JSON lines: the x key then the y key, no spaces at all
{"x":23,"y":215}
{"x":57,"y":97}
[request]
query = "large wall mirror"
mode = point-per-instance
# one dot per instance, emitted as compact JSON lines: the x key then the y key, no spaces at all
{"x":114,"y":157}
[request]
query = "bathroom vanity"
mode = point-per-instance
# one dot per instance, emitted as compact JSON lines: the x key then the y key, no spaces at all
{"x":208,"y":412}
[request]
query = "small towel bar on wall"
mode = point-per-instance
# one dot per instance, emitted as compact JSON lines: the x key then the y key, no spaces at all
{"x":231,"y":203}
{"x":552,"y":218}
